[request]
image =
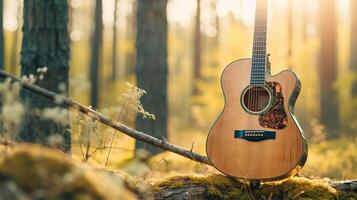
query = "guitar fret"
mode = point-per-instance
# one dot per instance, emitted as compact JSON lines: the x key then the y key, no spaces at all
{"x":258,"y":69}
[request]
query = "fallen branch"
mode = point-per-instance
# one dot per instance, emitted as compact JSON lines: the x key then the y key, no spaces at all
{"x":107,"y":121}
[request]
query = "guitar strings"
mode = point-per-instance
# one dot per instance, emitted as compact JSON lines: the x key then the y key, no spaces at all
{"x":259,"y":64}
{"x":261,"y":91}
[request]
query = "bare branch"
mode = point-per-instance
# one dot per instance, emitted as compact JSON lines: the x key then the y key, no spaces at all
{"x":107,"y":121}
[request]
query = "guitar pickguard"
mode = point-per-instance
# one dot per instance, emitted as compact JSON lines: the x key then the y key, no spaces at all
{"x":275,"y":117}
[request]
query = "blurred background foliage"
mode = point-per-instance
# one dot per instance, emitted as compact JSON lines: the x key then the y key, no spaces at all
{"x":225,"y":34}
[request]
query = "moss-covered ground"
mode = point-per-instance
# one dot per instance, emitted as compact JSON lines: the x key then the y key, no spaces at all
{"x":222,"y":187}
{"x":35,"y":172}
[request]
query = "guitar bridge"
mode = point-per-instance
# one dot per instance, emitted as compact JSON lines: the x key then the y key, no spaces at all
{"x":254,"y":135}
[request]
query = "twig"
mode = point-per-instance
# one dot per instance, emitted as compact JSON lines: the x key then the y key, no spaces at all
{"x":93,"y":152}
{"x":87,"y":151}
{"x":115,"y":131}
{"x":193,"y":144}
{"x":80,"y":146}
{"x":107,"y":121}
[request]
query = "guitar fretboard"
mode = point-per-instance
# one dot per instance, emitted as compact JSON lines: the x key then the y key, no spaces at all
{"x":259,"y":44}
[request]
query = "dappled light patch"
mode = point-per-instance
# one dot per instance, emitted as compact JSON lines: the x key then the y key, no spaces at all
{"x":171,"y":163}
{"x":336,"y":159}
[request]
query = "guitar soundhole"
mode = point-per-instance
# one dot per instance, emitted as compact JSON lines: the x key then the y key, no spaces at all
{"x":256,"y":99}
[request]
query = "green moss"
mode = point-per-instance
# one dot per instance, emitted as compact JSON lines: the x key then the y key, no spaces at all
{"x":347,"y":195}
{"x":222,"y":187}
{"x":299,"y":188}
{"x":33,"y":168}
{"x":218,"y":186}
{"x":178,"y":184}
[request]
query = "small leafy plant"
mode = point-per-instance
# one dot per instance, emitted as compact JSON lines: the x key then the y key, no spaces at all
{"x":87,"y":131}
{"x":130,"y":105}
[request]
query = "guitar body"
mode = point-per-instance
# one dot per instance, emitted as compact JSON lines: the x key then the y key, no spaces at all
{"x":257,"y":146}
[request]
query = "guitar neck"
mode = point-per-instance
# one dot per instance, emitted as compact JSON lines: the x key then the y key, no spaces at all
{"x":259,"y":58}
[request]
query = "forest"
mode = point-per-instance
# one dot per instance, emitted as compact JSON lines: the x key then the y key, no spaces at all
{"x":117,"y":99}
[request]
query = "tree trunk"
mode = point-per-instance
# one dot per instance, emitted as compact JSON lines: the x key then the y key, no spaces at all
{"x":1,"y":47}
{"x":152,"y":67}
{"x":14,"y":52}
{"x":97,"y":39}
{"x":115,"y":45}
{"x":45,"y":43}
{"x":1,"y":36}
{"x":197,"y":43}
{"x":129,"y":60}
{"x":353,"y":48}
{"x":215,"y":43}
{"x":328,"y":67}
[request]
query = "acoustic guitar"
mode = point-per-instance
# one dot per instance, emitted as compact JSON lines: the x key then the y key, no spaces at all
{"x":257,"y":136}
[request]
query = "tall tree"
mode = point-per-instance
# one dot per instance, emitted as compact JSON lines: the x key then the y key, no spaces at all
{"x":1,"y":36}
{"x":328,"y":66}
{"x":14,"y":47}
{"x":115,"y":45}
{"x":130,"y":36}
{"x":215,"y":42}
{"x":45,"y":44}
{"x":1,"y":46}
{"x":97,"y":39}
{"x":152,"y":67}
{"x":353,"y":48}
{"x":197,"y":43}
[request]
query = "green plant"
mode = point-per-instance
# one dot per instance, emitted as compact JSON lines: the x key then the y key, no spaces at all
{"x":130,"y":105}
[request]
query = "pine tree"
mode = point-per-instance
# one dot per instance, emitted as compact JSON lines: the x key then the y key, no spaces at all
{"x":353,"y":48}
{"x":197,"y":43}
{"x":97,"y":39}
{"x":115,"y":44}
{"x":152,"y":67}
{"x":328,"y":66}
{"x":45,"y":44}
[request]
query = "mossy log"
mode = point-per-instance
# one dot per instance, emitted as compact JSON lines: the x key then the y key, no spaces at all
{"x":222,"y":187}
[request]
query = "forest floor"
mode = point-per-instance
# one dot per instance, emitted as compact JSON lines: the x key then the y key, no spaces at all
{"x":35,"y":172}
{"x":335,"y":159}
